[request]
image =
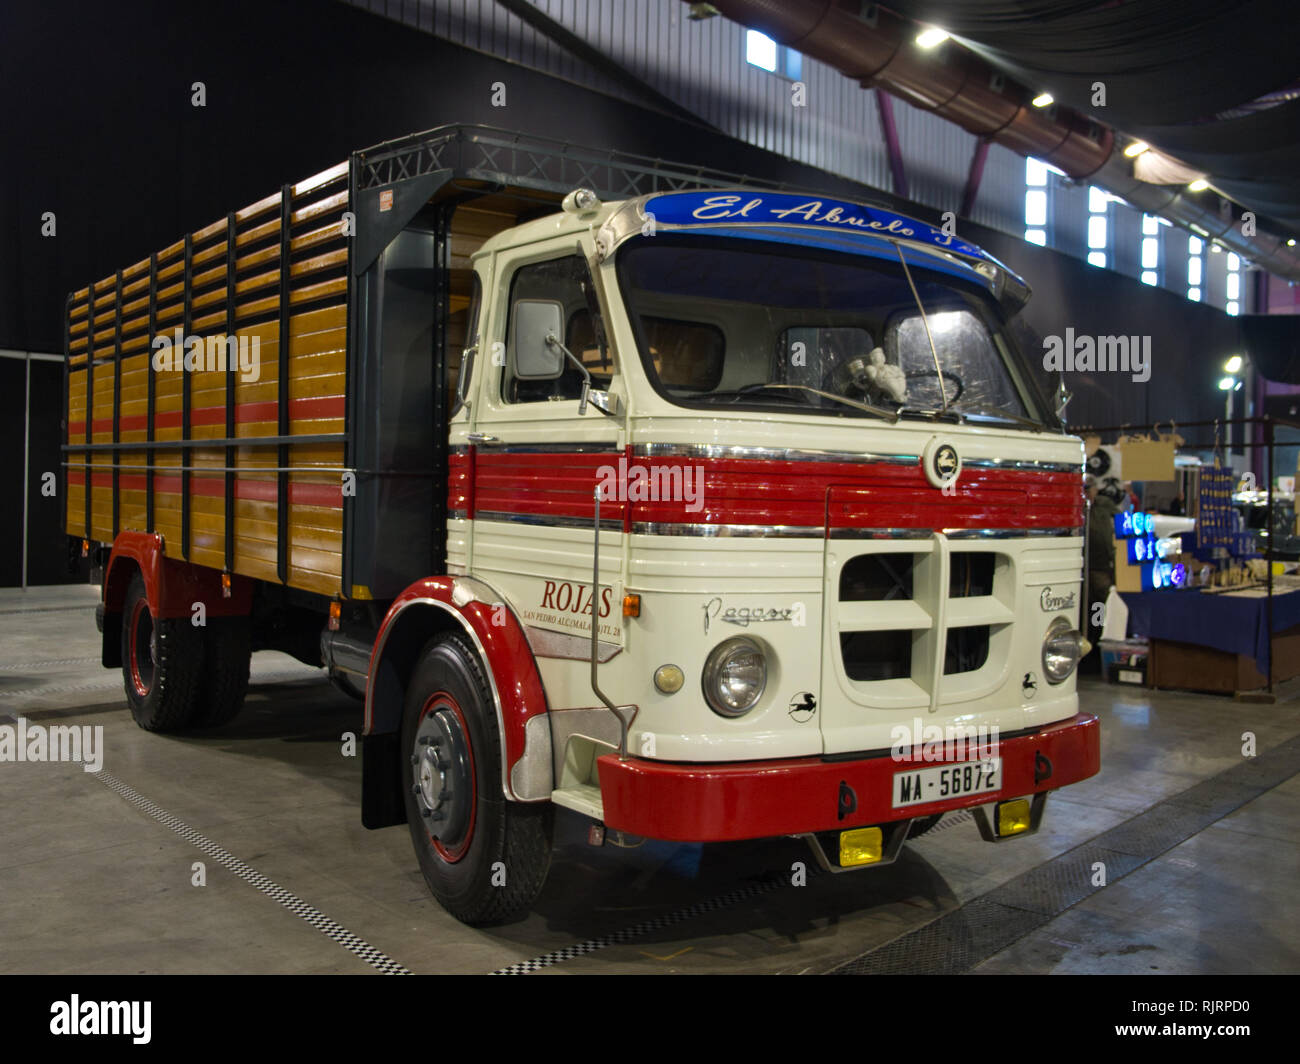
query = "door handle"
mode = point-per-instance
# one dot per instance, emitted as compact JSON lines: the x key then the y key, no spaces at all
{"x":480,"y":437}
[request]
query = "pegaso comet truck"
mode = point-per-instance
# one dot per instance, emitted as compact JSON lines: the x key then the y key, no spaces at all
{"x":705,"y":509}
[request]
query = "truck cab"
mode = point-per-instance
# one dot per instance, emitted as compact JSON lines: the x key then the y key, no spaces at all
{"x":830,"y":525}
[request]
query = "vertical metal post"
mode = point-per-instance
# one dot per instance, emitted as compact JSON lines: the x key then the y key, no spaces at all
{"x":117,"y":401}
{"x":282,"y":391}
{"x":232,"y":365}
{"x":1268,"y":439}
{"x":27,"y":450}
{"x":595,"y":633}
{"x":150,"y":396}
{"x":187,"y":317}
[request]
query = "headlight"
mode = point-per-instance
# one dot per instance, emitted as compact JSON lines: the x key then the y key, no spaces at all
{"x":734,"y":676}
{"x":1060,"y":650}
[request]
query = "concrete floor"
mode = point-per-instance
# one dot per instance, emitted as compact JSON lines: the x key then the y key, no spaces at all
{"x":95,"y":882}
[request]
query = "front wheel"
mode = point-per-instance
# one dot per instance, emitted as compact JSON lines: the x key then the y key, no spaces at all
{"x":162,"y":664}
{"x":484,"y":858}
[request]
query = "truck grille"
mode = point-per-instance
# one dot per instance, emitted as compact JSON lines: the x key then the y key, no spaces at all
{"x":910,"y":615}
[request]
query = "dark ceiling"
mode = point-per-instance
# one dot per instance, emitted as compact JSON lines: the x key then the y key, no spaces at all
{"x":1173,"y":71}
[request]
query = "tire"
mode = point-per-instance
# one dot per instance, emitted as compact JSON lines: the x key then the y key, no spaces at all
{"x":227,"y":650}
{"x":923,"y":826}
{"x":162,"y":664}
{"x":485,"y":860}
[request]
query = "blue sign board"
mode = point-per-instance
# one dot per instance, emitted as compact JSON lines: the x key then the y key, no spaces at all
{"x":783,"y":208}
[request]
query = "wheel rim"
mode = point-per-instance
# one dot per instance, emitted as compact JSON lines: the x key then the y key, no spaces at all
{"x":142,"y":651}
{"x":443,"y":772}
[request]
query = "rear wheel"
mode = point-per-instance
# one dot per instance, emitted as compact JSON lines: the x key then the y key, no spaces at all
{"x":162,"y":664}
{"x":484,"y":858}
{"x":226,"y":656}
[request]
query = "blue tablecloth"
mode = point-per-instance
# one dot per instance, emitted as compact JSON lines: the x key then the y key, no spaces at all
{"x":1235,"y":623}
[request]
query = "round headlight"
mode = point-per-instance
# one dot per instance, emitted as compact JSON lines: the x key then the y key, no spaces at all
{"x":734,"y":676}
{"x":1060,"y":650}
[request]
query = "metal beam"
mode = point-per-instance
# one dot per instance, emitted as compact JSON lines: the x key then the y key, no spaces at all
{"x":886,"y":106}
{"x":593,"y":57}
{"x":974,"y":176}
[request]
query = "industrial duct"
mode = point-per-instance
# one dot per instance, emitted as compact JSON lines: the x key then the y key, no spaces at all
{"x":876,"y":47}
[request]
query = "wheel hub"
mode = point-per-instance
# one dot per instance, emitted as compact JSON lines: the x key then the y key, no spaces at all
{"x":443,"y":786}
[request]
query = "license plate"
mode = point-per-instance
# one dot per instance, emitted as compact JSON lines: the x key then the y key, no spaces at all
{"x":921,"y":785}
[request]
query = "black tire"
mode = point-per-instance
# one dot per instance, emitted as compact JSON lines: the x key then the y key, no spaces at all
{"x":162,"y":664}
{"x":924,"y":825}
{"x":486,"y":860}
{"x":227,"y":650}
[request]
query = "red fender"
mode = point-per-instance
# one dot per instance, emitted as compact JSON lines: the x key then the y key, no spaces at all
{"x":472,"y":606}
{"x":170,"y":586}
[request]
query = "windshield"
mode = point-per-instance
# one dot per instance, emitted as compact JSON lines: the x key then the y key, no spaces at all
{"x":724,"y":323}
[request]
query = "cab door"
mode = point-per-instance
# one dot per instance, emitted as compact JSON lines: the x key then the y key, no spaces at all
{"x":537,"y":452}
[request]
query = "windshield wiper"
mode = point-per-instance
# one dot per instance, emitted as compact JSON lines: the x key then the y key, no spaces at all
{"x":929,"y":415}
{"x":1002,"y":415}
{"x":879,"y":411}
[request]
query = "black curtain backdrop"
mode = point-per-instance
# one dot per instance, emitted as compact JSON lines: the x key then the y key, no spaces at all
{"x":98,"y":127}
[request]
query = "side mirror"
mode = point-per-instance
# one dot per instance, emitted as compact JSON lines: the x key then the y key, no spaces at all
{"x":533,"y":321}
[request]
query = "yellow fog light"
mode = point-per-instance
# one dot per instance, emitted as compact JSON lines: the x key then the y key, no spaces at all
{"x":861,"y":846}
{"x":669,"y":679}
{"x":1013,"y":816}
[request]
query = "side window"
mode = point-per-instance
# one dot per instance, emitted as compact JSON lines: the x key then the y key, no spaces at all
{"x":567,"y":281}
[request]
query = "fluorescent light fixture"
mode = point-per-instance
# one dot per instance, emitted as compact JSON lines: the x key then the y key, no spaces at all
{"x":1291,"y":243}
{"x":1043,"y":99}
{"x":1136,"y":148}
{"x":1226,"y":383}
{"x":1233,"y":364}
{"x":1199,"y":185}
{"x":931,"y":37}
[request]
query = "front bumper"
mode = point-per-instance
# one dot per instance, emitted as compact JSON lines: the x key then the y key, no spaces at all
{"x":758,"y":799}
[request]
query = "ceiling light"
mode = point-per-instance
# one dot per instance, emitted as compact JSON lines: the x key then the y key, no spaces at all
{"x":1136,"y":148}
{"x":1044,"y":99}
{"x":1291,"y":243}
{"x":1199,"y":185}
{"x":931,"y":37}
{"x":1226,"y":383}
{"x":1233,"y":364}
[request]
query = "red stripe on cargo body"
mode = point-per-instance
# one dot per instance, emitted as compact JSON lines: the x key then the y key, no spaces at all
{"x":749,"y":491}
{"x":306,"y":409}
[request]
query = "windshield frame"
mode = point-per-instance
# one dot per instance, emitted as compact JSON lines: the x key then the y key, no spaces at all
{"x":979,"y":301}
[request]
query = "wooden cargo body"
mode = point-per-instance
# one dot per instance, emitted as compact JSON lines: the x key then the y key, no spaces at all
{"x":204,"y":456}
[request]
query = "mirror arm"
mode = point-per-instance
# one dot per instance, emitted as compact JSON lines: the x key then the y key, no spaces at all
{"x":554,"y":341}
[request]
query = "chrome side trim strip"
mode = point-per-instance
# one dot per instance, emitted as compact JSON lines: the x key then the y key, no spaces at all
{"x":611,"y":525}
{"x":542,"y":448}
{"x":779,"y":454}
{"x":954,"y":533}
{"x":1011,"y":533}
{"x":664,"y":528}
{"x":1023,"y":463}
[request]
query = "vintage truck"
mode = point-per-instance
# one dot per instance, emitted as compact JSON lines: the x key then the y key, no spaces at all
{"x":706,"y":509}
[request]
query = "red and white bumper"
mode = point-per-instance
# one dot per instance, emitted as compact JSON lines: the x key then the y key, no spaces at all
{"x":793,"y":796}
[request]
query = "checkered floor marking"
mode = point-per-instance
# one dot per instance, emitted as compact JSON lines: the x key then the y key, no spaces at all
{"x":656,"y":923}
{"x":292,"y":902}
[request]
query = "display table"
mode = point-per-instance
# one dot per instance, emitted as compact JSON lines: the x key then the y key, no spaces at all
{"x":1216,"y":642}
